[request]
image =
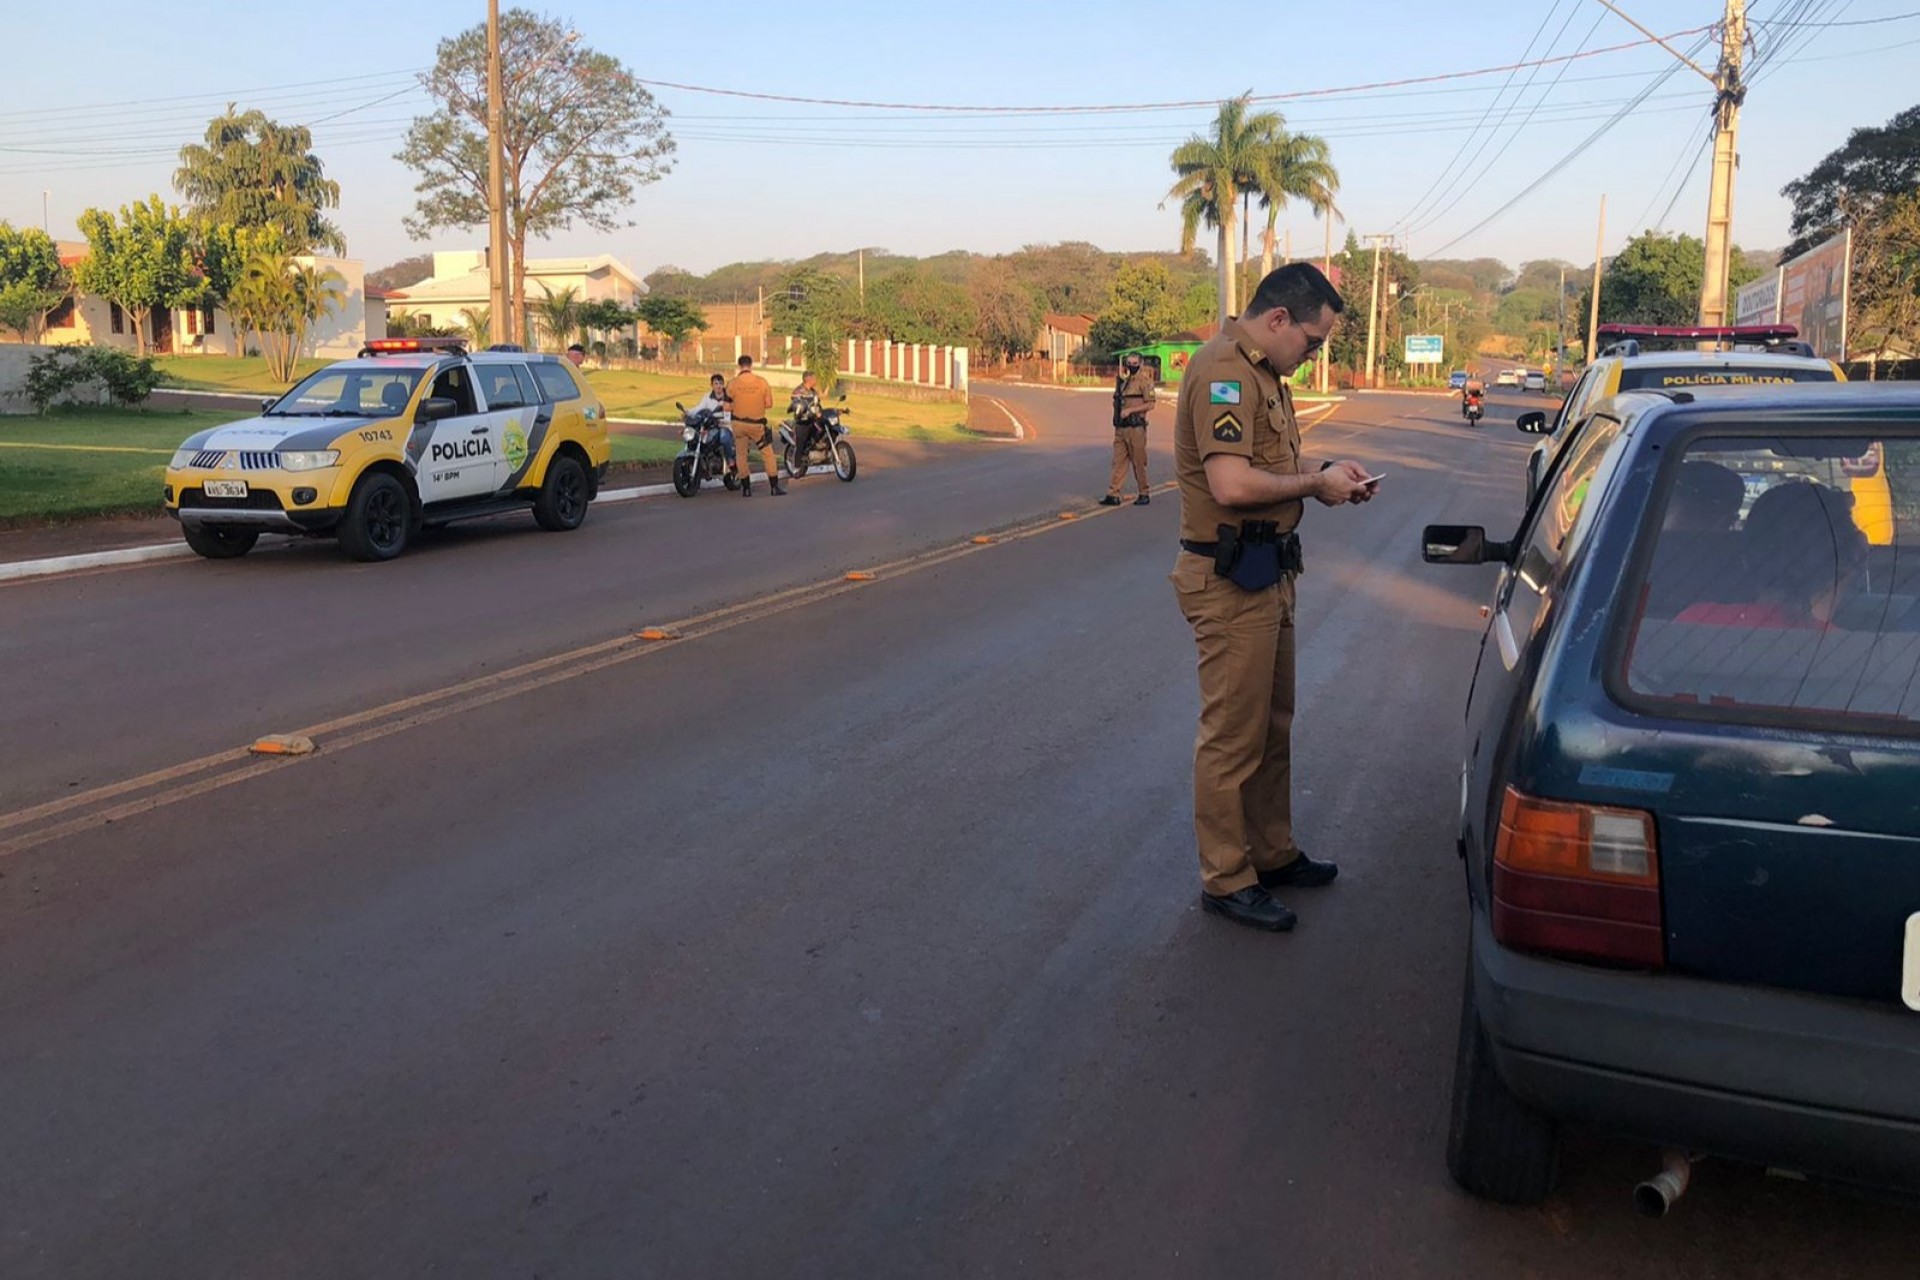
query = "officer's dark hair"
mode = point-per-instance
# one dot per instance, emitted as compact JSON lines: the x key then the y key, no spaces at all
{"x":745,"y":362}
{"x":1301,"y":289}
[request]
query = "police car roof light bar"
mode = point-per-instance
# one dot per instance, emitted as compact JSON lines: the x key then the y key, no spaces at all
{"x":405,"y":346}
{"x":1702,"y":332}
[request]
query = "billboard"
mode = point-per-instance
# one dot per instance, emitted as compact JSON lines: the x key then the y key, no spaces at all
{"x":1759,"y":302}
{"x":1425,"y":348}
{"x":1813,"y":295}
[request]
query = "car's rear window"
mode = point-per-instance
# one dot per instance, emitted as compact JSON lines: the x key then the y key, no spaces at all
{"x":1673,"y":377}
{"x":556,"y":381}
{"x":1784,"y":581}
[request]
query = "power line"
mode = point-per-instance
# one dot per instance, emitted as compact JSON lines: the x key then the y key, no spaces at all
{"x":1857,"y":22}
{"x":233,"y":95}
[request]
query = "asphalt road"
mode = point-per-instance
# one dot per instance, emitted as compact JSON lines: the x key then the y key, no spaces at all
{"x":852,"y":933}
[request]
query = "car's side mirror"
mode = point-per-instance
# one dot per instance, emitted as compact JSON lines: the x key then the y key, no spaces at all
{"x":1461,"y":544}
{"x":268,"y":403}
{"x":1534,"y":423}
{"x":682,"y":408}
{"x":433,"y":408}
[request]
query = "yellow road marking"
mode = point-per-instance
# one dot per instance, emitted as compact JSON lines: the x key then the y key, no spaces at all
{"x":412,"y":712}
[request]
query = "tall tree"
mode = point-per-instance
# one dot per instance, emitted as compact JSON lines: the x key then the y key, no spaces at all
{"x":1656,"y":280}
{"x":1212,"y":173}
{"x":912,"y":305}
{"x":581,"y":137}
{"x":1007,"y":314}
{"x":32,"y":281}
{"x":142,"y":260}
{"x":1295,"y":166}
{"x":601,"y":316}
{"x":1885,"y":291}
{"x":1872,"y":165}
{"x":674,"y":317}
{"x":1143,"y":307}
{"x":255,"y":172}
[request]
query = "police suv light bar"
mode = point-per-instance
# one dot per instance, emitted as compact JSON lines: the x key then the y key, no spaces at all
{"x":402,"y":346}
{"x":1702,"y":333}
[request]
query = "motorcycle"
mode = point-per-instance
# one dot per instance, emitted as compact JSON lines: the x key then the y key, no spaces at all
{"x":829,"y":445}
{"x":1472,"y":409}
{"x":705,"y":455}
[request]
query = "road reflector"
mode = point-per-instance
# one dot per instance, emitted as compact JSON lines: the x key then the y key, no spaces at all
{"x":658,"y":633}
{"x":1069,"y":515}
{"x":982,"y":541}
{"x":282,"y":744}
{"x":857,"y":576}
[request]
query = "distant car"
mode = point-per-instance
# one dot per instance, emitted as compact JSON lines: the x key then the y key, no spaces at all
{"x":1760,"y":355}
{"x":1533,"y":380}
{"x":1507,"y":378}
{"x":414,"y":432}
{"x":1690,"y":795}
{"x":1457,"y":379}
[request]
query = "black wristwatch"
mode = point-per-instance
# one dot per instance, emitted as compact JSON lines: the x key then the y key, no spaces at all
{"x":1325,"y":465}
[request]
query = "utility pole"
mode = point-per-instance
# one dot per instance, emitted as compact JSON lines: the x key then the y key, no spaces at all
{"x":499,"y":323}
{"x":1326,"y":269}
{"x":863,"y":279}
{"x":1599,"y":254}
{"x":1560,"y":326}
{"x":1373,"y":311}
{"x":1729,"y":91}
{"x":46,"y":220}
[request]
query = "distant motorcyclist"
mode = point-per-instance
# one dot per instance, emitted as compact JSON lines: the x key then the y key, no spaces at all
{"x":805,"y":408}
{"x":1473,"y":395}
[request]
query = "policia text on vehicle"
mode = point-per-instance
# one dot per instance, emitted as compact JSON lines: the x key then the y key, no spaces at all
{"x":1243,"y":488}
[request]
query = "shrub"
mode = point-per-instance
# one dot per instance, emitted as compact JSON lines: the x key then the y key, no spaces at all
{"x":127,"y":379}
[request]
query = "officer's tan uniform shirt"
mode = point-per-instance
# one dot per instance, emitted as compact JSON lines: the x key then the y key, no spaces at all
{"x":1232,"y":401}
{"x":1138,"y":394}
{"x":751,"y":395}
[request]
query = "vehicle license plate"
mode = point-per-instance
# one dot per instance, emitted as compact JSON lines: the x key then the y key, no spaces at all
{"x":1910,"y":972}
{"x":225,"y":488}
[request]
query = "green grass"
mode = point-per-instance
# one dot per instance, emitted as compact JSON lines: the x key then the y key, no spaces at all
{"x":632,"y":394}
{"x":643,"y":449}
{"x":229,"y":373}
{"x":45,"y":481}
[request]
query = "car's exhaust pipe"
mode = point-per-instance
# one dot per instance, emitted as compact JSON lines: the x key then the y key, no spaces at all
{"x":1654,"y":1197}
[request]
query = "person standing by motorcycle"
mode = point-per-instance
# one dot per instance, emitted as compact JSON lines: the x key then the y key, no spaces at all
{"x":805,"y":409}
{"x":751,"y":398}
{"x":1133,"y":400}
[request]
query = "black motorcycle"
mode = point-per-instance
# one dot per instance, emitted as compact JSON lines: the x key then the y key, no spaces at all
{"x":705,"y":454}
{"x":828,"y":444}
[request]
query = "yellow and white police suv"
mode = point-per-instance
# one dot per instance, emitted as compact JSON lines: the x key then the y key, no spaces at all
{"x":415,"y":432}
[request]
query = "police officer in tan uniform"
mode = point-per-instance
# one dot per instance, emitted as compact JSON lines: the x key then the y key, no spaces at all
{"x":752,"y":398}
{"x":1133,"y":400}
{"x":1243,"y":490}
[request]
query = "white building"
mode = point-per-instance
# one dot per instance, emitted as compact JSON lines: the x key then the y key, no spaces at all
{"x":459,"y":283}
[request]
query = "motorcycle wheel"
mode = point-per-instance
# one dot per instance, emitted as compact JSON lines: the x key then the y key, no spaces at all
{"x":686,"y":480}
{"x":796,"y":466}
{"x":845,"y":465}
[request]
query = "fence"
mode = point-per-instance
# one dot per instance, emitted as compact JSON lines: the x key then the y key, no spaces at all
{"x":918,"y":364}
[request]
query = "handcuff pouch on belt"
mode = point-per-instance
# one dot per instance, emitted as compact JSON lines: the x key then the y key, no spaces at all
{"x":1255,"y":555}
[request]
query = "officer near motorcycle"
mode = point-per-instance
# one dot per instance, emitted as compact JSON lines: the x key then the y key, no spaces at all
{"x":752,"y":398}
{"x":1243,"y":491}
{"x":1133,"y":400}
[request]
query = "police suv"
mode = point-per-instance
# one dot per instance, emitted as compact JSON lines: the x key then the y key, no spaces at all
{"x":415,"y":432}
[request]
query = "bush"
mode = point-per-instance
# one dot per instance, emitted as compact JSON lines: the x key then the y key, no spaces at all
{"x":127,"y":379}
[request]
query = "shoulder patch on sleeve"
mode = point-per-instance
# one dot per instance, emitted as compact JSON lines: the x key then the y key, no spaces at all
{"x":1223,"y":393}
{"x":1226,"y":429}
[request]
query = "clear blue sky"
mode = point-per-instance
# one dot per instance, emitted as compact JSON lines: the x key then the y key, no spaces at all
{"x":756,"y":180}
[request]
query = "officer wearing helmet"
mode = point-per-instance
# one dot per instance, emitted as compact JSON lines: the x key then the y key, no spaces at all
{"x":1133,"y":400}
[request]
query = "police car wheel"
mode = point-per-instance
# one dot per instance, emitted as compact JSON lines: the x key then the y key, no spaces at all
{"x":220,"y":544}
{"x":378,"y":520}
{"x":562,"y":504}
{"x":845,"y":465}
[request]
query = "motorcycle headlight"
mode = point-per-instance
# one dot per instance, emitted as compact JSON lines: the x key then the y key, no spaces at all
{"x":184,"y":458}
{"x":687,"y":435}
{"x":309,"y":459}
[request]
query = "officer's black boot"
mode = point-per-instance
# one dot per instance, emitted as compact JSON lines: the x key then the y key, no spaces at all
{"x":779,"y":490}
{"x":1302,"y":873}
{"x":746,"y":486}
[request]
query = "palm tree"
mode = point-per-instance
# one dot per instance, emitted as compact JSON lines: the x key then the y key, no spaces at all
{"x":559,"y":314}
{"x":278,"y":299}
{"x":476,"y":325}
{"x":1214,"y":173}
{"x":1298,"y":168}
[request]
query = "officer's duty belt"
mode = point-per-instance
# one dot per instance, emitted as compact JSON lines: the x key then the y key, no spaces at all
{"x":758,"y":422}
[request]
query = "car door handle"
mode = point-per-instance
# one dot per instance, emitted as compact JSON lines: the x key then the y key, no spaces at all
{"x":478,"y":431}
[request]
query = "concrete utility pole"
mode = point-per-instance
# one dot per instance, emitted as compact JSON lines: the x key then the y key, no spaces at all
{"x":1729,"y":91}
{"x":1599,"y":255}
{"x":1373,"y":311}
{"x":499,"y":325}
{"x":1560,"y":326}
{"x":1326,"y":269}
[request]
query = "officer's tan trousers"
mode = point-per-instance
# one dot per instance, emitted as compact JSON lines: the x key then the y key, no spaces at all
{"x":748,"y":435}
{"x":1129,"y":447}
{"x":1242,"y":757}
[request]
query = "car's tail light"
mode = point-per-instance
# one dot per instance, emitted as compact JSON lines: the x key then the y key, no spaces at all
{"x":1577,"y":880}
